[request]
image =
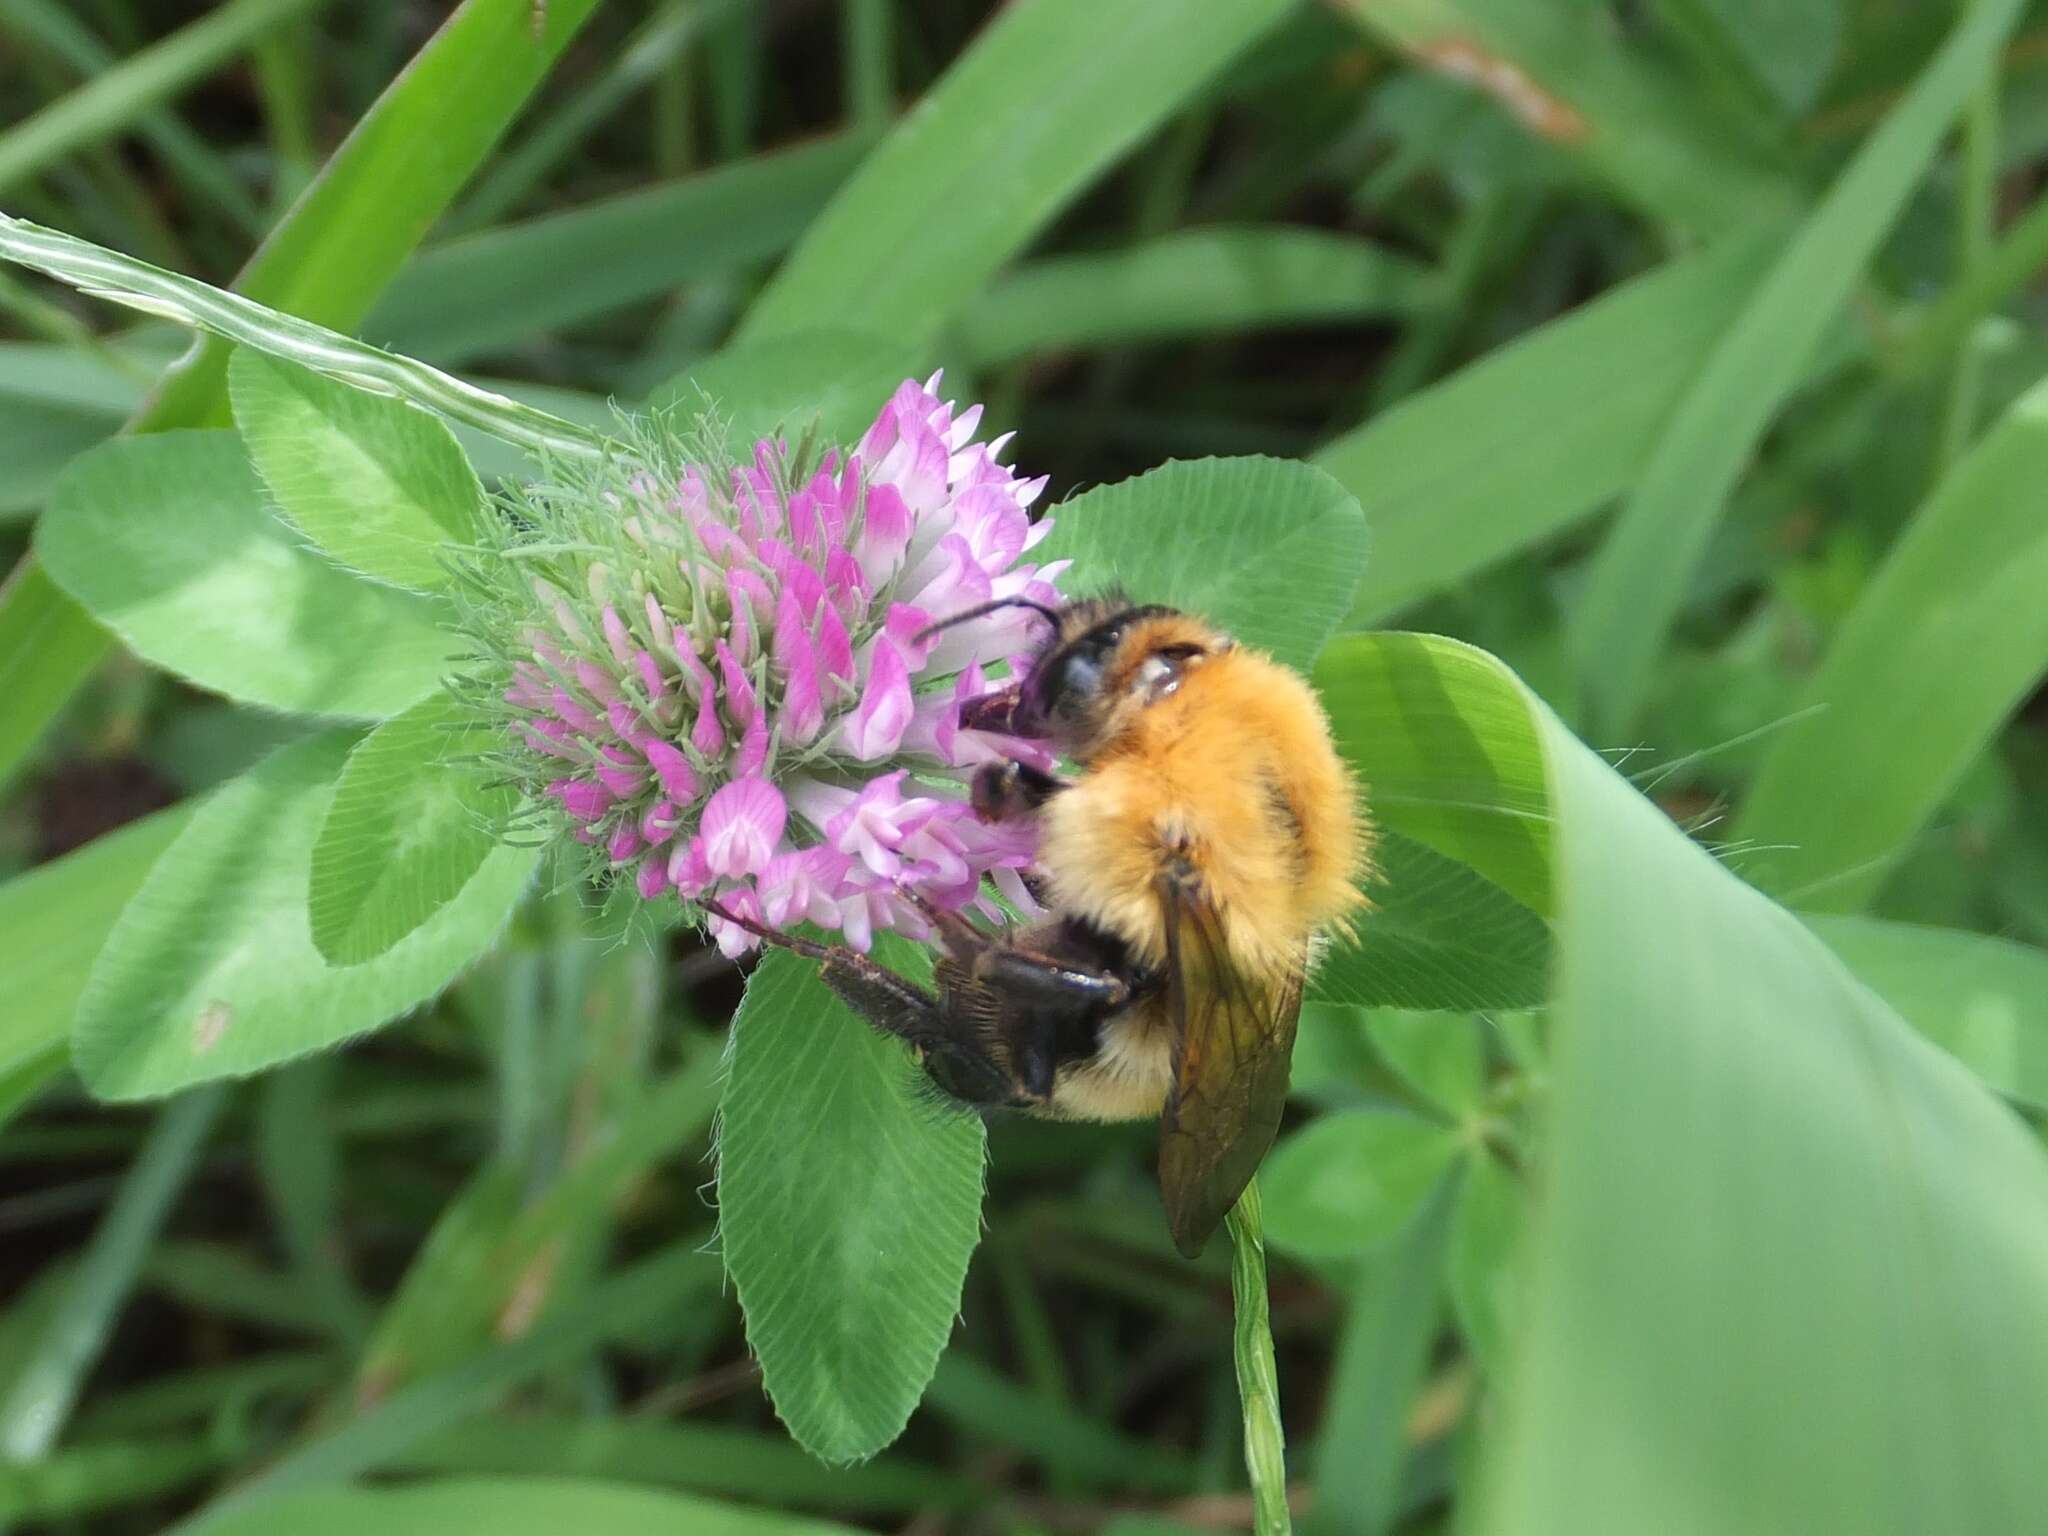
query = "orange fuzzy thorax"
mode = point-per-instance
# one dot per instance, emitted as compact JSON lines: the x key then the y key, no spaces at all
{"x":1234,"y":775}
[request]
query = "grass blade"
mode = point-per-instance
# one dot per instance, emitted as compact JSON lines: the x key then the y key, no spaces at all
{"x":1046,"y":98}
{"x":111,"y":100}
{"x":1638,"y":579}
{"x":1948,"y":638}
{"x":34,"y":1412}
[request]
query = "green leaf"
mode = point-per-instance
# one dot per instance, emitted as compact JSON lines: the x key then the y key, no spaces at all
{"x":838,"y":379}
{"x":1983,"y":1000}
{"x":1437,"y":1056}
{"x":1564,"y":73}
{"x":1539,"y":434}
{"x":1191,"y":282}
{"x":1439,"y":935}
{"x":485,"y":292}
{"x":412,"y":822}
{"x":1268,"y":549}
{"x":1771,"y":1211}
{"x":377,"y":484}
{"x":1443,"y":753}
{"x":848,"y":1244}
{"x":52,"y":922}
{"x":1637,"y":581}
{"x":166,"y":540}
{"x":1948,"y":638}
{"x":1351,"y":1181}
{"x":211,"y":971}
{"x":1049,"y":95}
{"x":511,"y":1506}
{"x":1486,"y":1285}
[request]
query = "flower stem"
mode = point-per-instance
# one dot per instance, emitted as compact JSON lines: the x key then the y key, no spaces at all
{"x":105,"y":274}
{"x":1258,"y":1387}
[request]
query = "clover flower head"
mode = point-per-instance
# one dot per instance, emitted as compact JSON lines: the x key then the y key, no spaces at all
{"x":714,"y":673}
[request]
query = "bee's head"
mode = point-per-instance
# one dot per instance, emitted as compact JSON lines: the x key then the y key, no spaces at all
{"x":1103,"y":658}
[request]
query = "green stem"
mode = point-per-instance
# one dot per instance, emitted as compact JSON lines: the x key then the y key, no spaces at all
{"x":1258,"y":1386}
{"x":109,"y":275}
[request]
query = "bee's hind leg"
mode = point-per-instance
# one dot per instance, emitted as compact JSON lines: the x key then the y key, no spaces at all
{"x":1010,"y":790}
{"x":962,"y":1066}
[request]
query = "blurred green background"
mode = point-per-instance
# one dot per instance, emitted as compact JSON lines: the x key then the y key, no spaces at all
{"x":1685,"y":354}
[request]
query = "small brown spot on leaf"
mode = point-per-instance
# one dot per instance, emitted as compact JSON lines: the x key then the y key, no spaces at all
{"x":212,"y":1023}
{"x":1509,"y":84}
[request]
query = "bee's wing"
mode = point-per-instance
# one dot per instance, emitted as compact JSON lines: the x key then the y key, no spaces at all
{"x":1234,"y":1036}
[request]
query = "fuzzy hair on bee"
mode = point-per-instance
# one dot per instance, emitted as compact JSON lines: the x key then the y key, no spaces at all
{"x":1208,"y":842}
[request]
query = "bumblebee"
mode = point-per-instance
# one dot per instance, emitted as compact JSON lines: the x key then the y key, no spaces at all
{"x":1208,"y":841}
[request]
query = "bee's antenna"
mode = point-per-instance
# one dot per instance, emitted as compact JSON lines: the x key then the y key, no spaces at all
{"x":980,"y":610}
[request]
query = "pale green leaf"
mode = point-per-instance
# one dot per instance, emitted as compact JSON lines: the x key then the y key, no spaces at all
{"x":1439,"y":935}
{"x":1437,"y":1055}
{"x":377,"y":484}
{"x":413,"y":820}
{"x":167,"y":541}
{"x":1268,"y":549}
{"x":211,"y":971}
{"x":1486,"y":1285}
{"x":1350,"y":1181}
{"x":848,"y":1243}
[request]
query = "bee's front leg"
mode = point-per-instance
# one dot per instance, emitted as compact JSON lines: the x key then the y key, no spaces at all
{"x":1009,"y":791}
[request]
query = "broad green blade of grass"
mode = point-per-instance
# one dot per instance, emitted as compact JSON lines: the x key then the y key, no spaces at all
{"x":1190,"y":283}
{"x":38,"y":1403}
{"x":1529,"y":439}
{"x":1380,"y":1359}
{"x":1637,"y":581}
{"x":112,"y":100}
{"x":848,"y":1245}
{"x":1046,"y":98}
{"x":760,"y":1466}
{"x":1850,"y":1270}
{"x":374,"y":483}
{"x":328,"y":260}
{"x":52,"y":920}
{"x":511,"y":1506}
{"x":490,"y":290}
{"x":168,"y":541}
{"x":1948,"y":638}
{"x":211,"y":972}
{"x":298,"y":1160}
{"x":836,"y":381}
{"x":1565,"y":74}
{"x":1983,"y":1000}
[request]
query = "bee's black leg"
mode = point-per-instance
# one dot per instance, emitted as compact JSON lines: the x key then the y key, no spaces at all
{"x":991,"y":961}
{"x":961,"y":1065}
{"x":1008,"y":791}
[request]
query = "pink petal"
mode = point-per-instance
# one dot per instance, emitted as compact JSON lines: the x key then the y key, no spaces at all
{"x":616,"y":636}
{"x":877,"y":726}
{"x":678,"y":779}
{"x":741,"y":825}
{"x":581,"y":798}
{"x":652,"y":879}
{"x":659,"y":822}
